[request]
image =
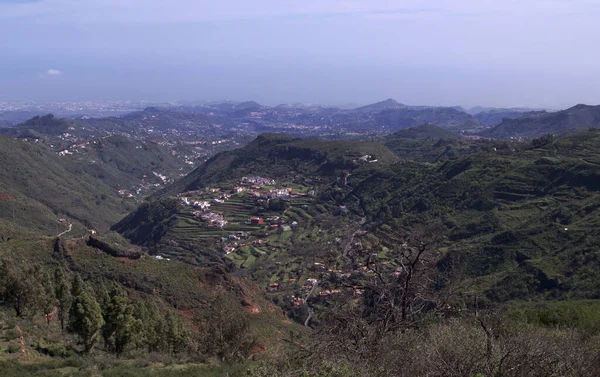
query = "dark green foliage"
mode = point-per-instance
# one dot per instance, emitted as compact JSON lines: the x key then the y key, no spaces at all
{"x":278,"y":205}
{"x":175,"y":334}
{"x":39,"y":187}
{"x":78,"y":286}
{"x":48,"y":299}
{"x":582,"y":315}
{"x":121,"y":329}
{"x":522,"y":217}
{"x":85,"y":319}
{"x":425,"y":131}
{"x":154,"y":327}
{"x":21,"y":287}
{"x":149,"y":223}
{"x":276,"y":155}
{"x":62,"y":291}
{"x":122,"y":162}
{"x":40,"y":126}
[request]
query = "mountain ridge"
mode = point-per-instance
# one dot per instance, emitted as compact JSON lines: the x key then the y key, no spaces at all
{"x":576,"y":118}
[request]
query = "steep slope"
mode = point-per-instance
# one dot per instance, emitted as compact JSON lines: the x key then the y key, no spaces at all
{"x":379,"y":106}
{"x":16,"y":117}
{"x":40,"y":127}
{"x":522,"y":219}
{"x":576,"y":118}
{"x":124,"y":163}
{"x":493,"y":117}
{"x":523,"y":223}
{"x":135,"y":165}
{"x":428,"y":143}
{"x":280,"y":155}
{"x":38,"y":188}
{"x":295,"y":169}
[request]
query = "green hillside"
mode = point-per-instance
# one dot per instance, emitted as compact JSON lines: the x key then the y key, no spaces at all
{"x":373,"y":251}
{"x":425,"y":131}
{"x":577,"y":118}
{"x":523,"y":221}
{"x":38,"y":188}
{"x":520,"y":217}
{"x":125,"y":163}
{"x":281,"y":155}
{"x":141,"y":307}
{"x":430,"y":143}
{"x":41,"y":127}
{"x":446,"y":117}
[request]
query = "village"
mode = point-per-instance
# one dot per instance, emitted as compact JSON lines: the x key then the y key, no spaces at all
{"x":239,"y":221}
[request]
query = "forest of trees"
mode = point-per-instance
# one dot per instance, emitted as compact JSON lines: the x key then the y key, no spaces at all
{"x":104,"y":316}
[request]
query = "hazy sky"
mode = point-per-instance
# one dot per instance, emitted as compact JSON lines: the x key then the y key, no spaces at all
{"x":445,"y":52}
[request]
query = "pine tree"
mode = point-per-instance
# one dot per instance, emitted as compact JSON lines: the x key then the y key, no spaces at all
{"x":78,"y":286}
{"x":21,"y":287}
{"x":103,"y":297}
{"x":48,"y":302}
{"x":120,"y":331}
{"x":62,"y":291}
{"x":140,"y":313}
{"x":176,"y":335}
{"x":154,"y":328}
{"x":85,"y":319}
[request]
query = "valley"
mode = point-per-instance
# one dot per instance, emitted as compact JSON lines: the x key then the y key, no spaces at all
{"x":330,"y":243}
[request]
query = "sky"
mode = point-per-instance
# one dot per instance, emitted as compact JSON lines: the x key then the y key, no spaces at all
{"x":503,"y":53}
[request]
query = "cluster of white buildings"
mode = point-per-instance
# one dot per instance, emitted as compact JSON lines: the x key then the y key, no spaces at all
{"x":200,"y":204}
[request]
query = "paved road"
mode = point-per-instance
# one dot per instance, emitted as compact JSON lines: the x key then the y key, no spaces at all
{"x":349,"y":244}
{"x":66,"y":231}
{"x":311,"y":311}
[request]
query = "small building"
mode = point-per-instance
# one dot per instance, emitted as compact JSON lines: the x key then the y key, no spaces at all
{"x":256,"y":221}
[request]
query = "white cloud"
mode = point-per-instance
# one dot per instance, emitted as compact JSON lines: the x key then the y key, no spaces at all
{"x":53,"y":72}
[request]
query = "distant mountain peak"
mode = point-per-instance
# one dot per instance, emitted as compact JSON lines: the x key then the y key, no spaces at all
{"x":248,"y":105}
{"x":153,"y":109}
{"x":581,"y":106}
{"x":389,"y":103}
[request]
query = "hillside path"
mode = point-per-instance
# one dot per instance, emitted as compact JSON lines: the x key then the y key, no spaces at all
{"x":66,"y":231}
{"x":311,"y":311}
{"x":349,"y":244}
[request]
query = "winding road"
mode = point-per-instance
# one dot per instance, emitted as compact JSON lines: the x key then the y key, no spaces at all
{"x":311,"y":311}
{"x":349,"y":244}
{"x":66,"y":231}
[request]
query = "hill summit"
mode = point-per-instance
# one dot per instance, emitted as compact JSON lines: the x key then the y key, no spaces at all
{"x":576,"y":118}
